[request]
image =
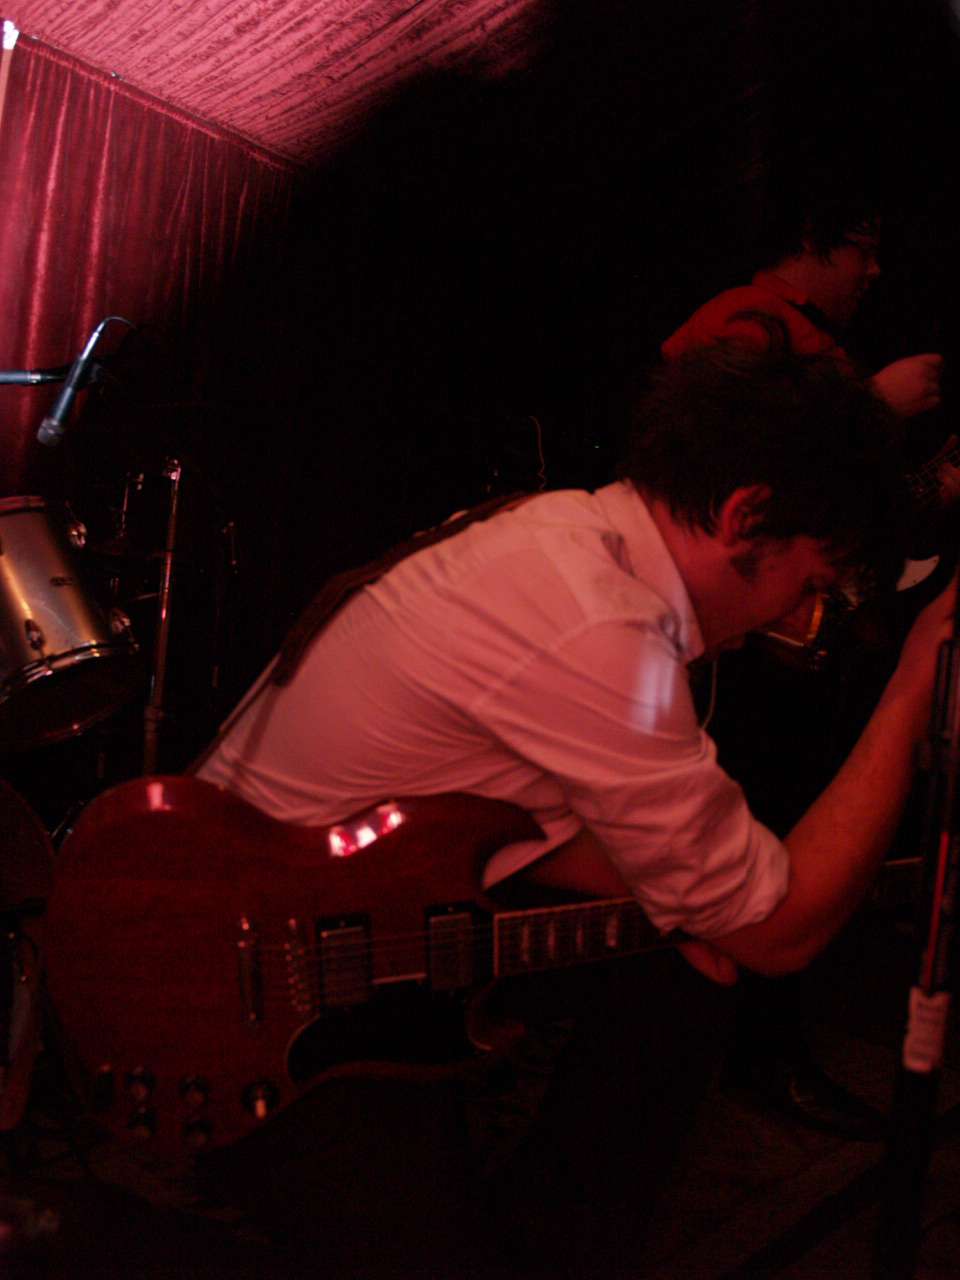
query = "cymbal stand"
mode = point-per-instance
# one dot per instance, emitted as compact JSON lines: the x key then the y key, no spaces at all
{"x":153,"y":712}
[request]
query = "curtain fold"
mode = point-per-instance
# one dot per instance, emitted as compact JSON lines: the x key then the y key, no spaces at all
{"x":113,"y":205}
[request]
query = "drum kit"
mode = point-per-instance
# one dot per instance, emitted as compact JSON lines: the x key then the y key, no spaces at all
{"x":70,"y":657}
{"x":69,"y":662}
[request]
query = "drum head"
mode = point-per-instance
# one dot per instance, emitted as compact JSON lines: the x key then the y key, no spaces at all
{"x":52,"y":703}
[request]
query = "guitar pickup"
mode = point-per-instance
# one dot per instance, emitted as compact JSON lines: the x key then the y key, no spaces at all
{"x":343,"y":954}
{"x":450,"y":948}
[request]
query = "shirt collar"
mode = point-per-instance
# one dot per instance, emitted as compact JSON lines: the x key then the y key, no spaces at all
{"x":649,"y":560}
{"x":797,"y":298}
{"x":782,"y":288}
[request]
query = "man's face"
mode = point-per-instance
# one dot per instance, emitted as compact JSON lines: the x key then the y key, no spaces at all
{"x":844,"y":275}
{"x":771,"y":586}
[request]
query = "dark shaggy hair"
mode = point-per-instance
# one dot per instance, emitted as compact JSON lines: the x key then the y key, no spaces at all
{"x":726,"y":416}
{"x":817,"y":202}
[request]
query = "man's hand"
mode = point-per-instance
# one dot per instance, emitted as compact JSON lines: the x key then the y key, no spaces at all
{"x":713,"y":964}
{"x":932,"y":626}
{"x":911,"y":385}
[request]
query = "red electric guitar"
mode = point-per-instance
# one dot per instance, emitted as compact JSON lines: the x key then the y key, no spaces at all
{"x":206,"y":963}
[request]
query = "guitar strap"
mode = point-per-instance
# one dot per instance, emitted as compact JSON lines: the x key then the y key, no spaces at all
{"x":336,"y":591}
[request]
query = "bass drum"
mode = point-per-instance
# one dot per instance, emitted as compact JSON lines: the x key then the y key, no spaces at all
{"x":64,"y":666}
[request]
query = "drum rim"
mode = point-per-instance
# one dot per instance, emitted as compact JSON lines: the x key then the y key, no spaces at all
{"x":21,"y":682}
{"x":45,"y":667}
{"x":29,"y":502}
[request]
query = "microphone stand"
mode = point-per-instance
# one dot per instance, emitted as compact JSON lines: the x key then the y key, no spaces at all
{"x":153,"y":712}
{"x":910,"y":1141}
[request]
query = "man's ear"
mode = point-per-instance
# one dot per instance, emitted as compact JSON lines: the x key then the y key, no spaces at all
{"x":740,"y":514}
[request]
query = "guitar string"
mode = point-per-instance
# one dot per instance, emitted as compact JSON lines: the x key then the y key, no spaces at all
{"x":593,"y":920}
{"x":285,"y":977}
{"x":281,"y":985}
{"x":592,"y":915}
{"x":279,"y":972}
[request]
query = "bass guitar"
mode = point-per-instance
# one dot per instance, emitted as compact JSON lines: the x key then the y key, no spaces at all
{"x":206,"y":963}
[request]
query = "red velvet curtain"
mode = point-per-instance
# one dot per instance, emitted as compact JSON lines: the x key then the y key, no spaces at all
{"x":111,"y":204}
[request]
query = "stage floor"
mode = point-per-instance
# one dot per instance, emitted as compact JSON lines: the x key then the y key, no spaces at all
{"x":755,"y":1196}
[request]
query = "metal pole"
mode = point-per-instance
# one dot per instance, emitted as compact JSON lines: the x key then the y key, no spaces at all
{"x":910,"y":1143}
{"x":153,"y":713}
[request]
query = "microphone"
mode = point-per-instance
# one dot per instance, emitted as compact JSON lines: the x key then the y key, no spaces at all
{"x":33,"y":377}
{"x":51,"y":429}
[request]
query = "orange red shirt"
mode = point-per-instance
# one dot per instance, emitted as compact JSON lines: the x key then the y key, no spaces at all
{"x":729,"y":315}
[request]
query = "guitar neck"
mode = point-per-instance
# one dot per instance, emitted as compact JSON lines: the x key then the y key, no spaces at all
{"x":924,"y":485}
{"x":555,"y":937}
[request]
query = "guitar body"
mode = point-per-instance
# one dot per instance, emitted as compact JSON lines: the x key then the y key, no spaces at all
{"x":205,"y":962}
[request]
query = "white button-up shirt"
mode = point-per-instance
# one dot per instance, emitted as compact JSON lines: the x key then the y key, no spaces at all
{"x":537,"y":657}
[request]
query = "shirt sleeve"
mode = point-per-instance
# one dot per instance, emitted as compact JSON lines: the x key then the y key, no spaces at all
{"x":608,"y":713}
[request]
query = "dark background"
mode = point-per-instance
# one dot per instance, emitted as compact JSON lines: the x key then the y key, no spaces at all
{"x":492,"y":266}
{"x":466,"y":298}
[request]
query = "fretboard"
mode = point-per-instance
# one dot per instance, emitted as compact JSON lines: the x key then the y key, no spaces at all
{"x":924,"y":485}
{"x":553,"y":937}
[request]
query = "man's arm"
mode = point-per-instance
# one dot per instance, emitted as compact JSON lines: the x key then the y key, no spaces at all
{"x":582,"y":865}
{"x":837,"y":846}
{"x":911,"y":385}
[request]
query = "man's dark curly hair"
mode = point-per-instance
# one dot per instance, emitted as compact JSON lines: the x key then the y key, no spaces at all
{"x":816,"y":203}
{"x":806,"y":427}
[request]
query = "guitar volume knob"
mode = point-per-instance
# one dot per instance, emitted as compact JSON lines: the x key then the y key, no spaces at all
{"x":143,"y":1124}
{"x":194,"y":1092}
{"x":140,"y":1084}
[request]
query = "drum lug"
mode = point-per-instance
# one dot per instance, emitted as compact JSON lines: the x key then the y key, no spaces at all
{"x":76,"y":530}
{"x":120,"y":624}
{"x":34,"y":634}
